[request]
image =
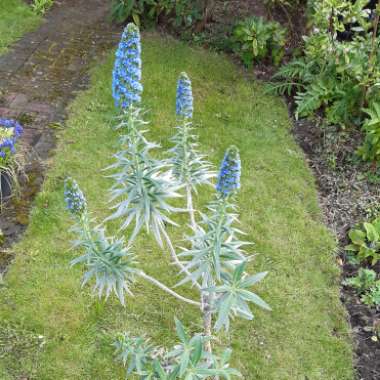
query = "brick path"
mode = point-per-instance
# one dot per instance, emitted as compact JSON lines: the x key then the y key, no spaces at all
{"x":38,"y":78}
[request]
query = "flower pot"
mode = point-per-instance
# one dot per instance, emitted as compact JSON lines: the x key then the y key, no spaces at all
{"x":5,"y":186}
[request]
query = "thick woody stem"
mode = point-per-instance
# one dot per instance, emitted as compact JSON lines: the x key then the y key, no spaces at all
{"x":207,"y":300}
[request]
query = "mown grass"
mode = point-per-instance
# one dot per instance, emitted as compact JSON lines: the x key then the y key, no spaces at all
{"x":306,"y":336}
{"x":16,"y":19}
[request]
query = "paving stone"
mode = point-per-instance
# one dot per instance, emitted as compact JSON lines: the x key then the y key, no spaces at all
{"x":19,"y":101}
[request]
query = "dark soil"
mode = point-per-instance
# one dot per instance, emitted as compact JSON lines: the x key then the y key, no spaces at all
{"x":349,"y":194}
{"x":38,"y":79}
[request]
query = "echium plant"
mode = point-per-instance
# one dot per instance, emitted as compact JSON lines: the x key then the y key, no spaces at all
{"x":217,"y":258}
{"x":142,"y":184}
{"x":214,"y":262}
{"x":189,"y":166}
{"x":105,"y":258}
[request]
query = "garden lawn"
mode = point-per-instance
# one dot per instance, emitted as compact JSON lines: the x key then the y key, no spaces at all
{"x":16,"y":19}
{"x":52,"y":329}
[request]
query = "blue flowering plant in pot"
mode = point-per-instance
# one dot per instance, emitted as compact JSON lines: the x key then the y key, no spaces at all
{"x":10,"y":131}
{"x":213,"y":258}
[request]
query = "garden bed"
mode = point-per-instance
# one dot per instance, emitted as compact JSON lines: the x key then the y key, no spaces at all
{"x":277,"y":194}
{"x":348,"y":192}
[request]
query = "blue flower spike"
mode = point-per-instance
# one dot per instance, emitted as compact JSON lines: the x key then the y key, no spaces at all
{"x":126,"y":84}
{"x":75,"y":200}
{"x":229,"y":174}
{"x":184,"y":99}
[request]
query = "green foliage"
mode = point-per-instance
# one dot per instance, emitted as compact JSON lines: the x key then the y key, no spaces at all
{"x":365,"y":241}
{"x":122,"y":10}
{"x":178,"y":12}
{"x":233,"y":296}
{"x":372,"y":297}
{"x":335,"y":75}
{"x":367,"y":286}
{"x":370,"y":150}
{"x":255,"y":39}
{"x":186,"y":360}
{"x":365,"y":279}
{"x":41,"y":6}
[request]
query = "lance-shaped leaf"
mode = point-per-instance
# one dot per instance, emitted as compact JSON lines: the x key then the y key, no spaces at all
{"x":234,"y":295}
{"x":135,"y":353}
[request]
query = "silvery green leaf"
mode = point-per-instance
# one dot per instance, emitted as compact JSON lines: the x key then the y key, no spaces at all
{"x":215,"y":246}
{"x":189,"y":166}
{"x":233,"y":296}
{"x":142,"y":186}
{"x":108,"y":261}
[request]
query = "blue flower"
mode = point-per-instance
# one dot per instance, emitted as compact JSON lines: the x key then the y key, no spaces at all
{"x":75,"y":201}
{"x":126,"y":86}
{"x":184,"y":100}
{"x":10,"y":131}
{"x":230,"y":171}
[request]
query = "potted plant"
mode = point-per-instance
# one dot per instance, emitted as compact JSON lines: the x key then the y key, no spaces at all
{"x":10,"y":131}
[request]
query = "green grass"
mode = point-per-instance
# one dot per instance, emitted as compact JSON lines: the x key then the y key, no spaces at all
{"x":16,"y":19}
{"x":306,"y":336}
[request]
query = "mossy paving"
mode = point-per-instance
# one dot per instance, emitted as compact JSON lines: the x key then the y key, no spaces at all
{"x":38,"y":78}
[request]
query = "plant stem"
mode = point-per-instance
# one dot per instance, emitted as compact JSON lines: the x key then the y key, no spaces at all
{"x":167,"y":289}
{"x":207,"y":301}
{"x":175,"y":257}
{"x":190,"y":207}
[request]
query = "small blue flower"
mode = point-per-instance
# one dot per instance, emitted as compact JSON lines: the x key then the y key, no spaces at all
{"x":184,"y":100}
{"x":126,"y":84}
{"x":75,"y":201}
{"x":230,"y":171}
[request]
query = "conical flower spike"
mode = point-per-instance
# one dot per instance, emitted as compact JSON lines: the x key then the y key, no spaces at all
{"x":74,"y":198}
{"x":184,"y":100}
{"x":229,"y":174}
{"x":126,"y":84}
